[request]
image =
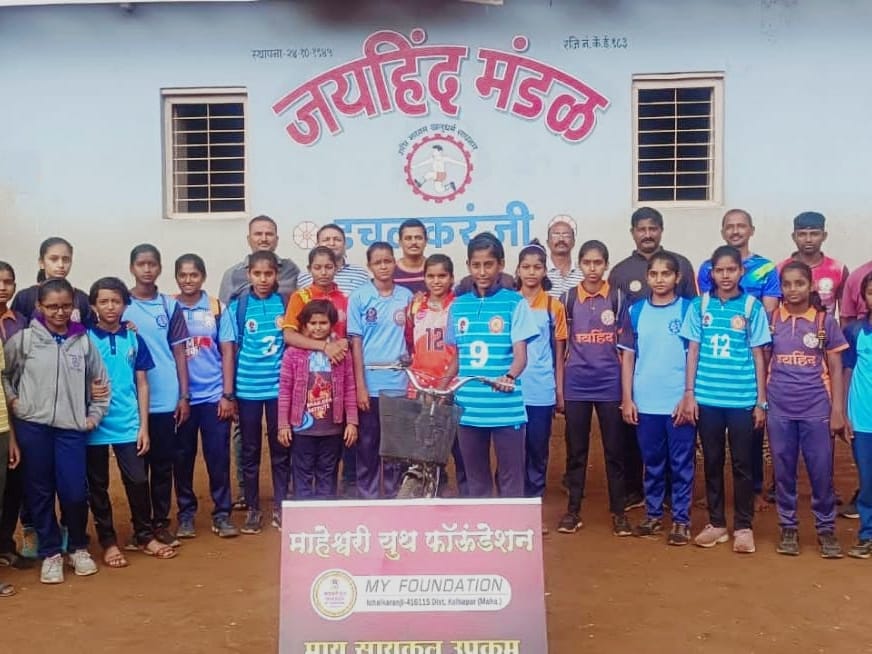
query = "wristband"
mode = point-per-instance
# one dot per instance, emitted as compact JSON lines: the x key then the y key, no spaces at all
{"x":509,"y":375}
{"x":185,"y":396}
{"x":228,"y":396}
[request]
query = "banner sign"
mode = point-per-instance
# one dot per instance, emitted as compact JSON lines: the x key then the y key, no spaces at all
{"x":412,"y":577}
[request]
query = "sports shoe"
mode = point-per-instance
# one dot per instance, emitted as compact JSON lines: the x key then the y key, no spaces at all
{"x":239,"y":504}
{"x":166,"y":537}
{"x":829,"y":546}
{"x":569,"y":523}
{"x":30,"y":544}
{"x":743,"y":541}
{"x":276,"y":521}
{"x":849,"y":510}
{"x":711,"y":536}
{"x":253,"y":522}
{"x":680,"y":535}
{"x":82,"y":563}
{"x":621,"y":526}
{"x":648,"y":527}
{"x":862,"y":550}
{"x":186,"y":528}
{"x":788,"y":544}
{"x":222,"y":526}
{"x":52,"y":570}
{"x":634,"y":502}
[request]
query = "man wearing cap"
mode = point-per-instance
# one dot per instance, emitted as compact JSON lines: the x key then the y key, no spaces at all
{"x":828,"y":274}
{"x":630,"y":275}
{"x":561,"y":240}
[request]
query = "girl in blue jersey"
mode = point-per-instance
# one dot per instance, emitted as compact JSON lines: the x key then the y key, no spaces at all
{"x":542,"y":379}
{"x":125,"y":426}
{"x":259,"y":317}
{"x":211,"y":375}
{"x":725,"y":393}
{"x":376,"y":327}
{"x":491,"y":327}
{"x":160,"y":323}
{"x":858,"y":381}
{"x":653,"y":362}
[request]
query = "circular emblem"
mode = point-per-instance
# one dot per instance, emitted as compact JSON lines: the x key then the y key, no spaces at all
{"x":208,"y":320}
{"x":495,"y":325}
{"x":674,"y":326}
{"x":400,"y":317}
{"x":334,"y":594}
{"x":635,"y":286}
{"x":371,"y":315}
{"x":305,"y":235}
{"x":825,"y":285}
{"x":463,"y":325}
{"x":76,"y":316}
{"x":607,"y":317}
{"x":811,"y":340}
{"x":737,"y":322}
{"x":251,"y":326}
{"x":438,"y":167}
{"x":280,"y":322}
{"x":161,"y":320}
{"x":707,"y":319}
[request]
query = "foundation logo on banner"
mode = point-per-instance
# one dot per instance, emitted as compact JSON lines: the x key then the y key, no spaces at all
{"x":334,"y":594}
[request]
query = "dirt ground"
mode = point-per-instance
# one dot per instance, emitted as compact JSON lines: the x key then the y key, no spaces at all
{"x":603,"y":594}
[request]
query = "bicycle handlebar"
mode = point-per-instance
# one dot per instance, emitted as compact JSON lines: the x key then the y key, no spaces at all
{"x":435,"y":392}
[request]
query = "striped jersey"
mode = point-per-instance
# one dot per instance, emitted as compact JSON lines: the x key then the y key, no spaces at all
{"x":725,"y":375}
{"x":538,"y":382}
{"x":484,"y":330}
{"x":760,"y":278}
{"x":260,"y":347}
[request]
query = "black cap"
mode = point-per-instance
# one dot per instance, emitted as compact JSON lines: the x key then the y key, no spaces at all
{"x":809,"y":220}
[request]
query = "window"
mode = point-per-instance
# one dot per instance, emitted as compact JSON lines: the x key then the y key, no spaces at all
{"x":205,"y":171}
{"x":678,"y":139}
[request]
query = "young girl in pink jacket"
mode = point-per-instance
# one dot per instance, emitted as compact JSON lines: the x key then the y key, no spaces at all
{"x":317,"y":406}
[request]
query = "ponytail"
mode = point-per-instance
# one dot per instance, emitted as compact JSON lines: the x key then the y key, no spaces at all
{"x":814,"y":300}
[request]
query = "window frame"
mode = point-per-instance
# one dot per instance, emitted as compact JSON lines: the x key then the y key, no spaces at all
{"x":714,"y":79}
{"x":201,"y":95}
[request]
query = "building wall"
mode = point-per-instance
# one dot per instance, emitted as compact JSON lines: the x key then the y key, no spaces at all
{"x":81,"y":151}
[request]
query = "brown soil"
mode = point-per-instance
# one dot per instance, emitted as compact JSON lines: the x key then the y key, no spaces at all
{"x":603,"y":594}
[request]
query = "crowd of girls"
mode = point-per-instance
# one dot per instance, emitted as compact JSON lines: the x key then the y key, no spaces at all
{"x":154,"y":375}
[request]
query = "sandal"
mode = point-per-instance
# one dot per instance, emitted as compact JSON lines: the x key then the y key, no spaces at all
{"x":158,"y":550}
{"x":15,"y":560}
{"x":113,"y":557}
{"x":6,"y":590}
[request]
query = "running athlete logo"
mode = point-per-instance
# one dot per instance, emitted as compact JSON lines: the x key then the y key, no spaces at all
{"x":371,"y":315}
{"x":495,"y":325}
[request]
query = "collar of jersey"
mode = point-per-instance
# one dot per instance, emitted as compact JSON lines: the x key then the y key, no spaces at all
{"x":584,"y":295}
{"x":785,"y":315}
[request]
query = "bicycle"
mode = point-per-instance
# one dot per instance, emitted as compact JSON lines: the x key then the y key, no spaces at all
{"x":420,"y":430}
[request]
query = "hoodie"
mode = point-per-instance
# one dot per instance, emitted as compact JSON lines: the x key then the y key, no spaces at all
{"x":52,"y":379}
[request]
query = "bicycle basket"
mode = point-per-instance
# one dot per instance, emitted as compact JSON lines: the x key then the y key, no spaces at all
{"x":416,"y":430}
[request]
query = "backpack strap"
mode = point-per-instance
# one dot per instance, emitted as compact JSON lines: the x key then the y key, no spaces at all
{"x":215,"y":308}
{"x":241,"y":308}
{"x":569,"y":298}
{"x":26,"y":342}
{"x":551,"y":339}
{"x":636,"y":311}
{"x":820,"y":318}
{"x":704,"y":303}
